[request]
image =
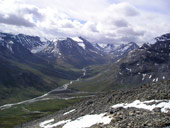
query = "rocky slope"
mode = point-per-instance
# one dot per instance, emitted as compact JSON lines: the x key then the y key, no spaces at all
{"x":147,"y":64}
{"x":117,"y":51}
{"x":123,"y":50}
{"x":146,"y":106}
{"x":77,"y":52}
{"x":32,"y":42}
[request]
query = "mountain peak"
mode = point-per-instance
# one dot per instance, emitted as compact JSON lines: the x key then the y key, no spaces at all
{"x":58,"y":39}
{"x":164,"y":37}
{"x":77,"y":39}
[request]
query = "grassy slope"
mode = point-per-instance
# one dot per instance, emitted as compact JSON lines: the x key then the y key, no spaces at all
{"x":14,"y":91}
{"x":19,"y":114}
{"x":99,"y":78}
{"x":96,"y":79}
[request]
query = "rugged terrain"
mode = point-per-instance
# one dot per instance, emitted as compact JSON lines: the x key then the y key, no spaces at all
{"x":146,"y":106}
{"x":77,"y":52}
{"x":31,"y":66}
{"x":61,"y":72}
{"x":25,"y":75}
{"x":147,"y":64}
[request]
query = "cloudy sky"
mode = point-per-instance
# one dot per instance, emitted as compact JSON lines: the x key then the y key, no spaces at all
{"x":102,"y":21}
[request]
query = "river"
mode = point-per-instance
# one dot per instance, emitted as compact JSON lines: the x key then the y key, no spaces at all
{"x":59,"y":90}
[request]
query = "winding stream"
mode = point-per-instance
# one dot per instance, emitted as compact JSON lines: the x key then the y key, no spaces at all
{"x":59,"y":90}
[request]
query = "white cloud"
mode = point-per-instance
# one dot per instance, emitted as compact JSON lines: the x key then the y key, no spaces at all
{"x":96,"y":20}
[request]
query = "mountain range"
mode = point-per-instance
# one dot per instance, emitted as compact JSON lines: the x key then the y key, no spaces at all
{"x":32,"y":66}
{"x":146,"y":64}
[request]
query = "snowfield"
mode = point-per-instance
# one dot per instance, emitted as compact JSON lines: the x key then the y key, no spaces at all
{"x":149,"y":105}
{"x":77,"y":39}
{"x":79,"y":42}
{"x":81,"y":122}
{"x":90,"y":120}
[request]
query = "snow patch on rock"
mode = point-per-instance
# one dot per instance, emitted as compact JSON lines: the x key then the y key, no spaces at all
{"x":77,"y":39}
{"x":48,"y":123}
{"x":82,"y":45}
{"x":88,"y":120}
{"x":66,"y":113}
{"x":149,"y":105}
{"x":39,"y":48}
{"x":81,"y":122}
{"x":45,"y":123}
{"x":9,"y":45}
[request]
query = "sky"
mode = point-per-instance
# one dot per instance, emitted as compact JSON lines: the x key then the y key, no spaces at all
{"x":100,"y":21}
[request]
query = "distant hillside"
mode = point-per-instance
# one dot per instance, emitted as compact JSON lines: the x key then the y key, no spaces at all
{"x":25,"y":75}
{"x":147,"y":64}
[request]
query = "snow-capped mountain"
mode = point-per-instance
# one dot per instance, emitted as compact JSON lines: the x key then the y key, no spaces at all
{"x":123,"y":50}
{"x":107,"y":48}
{"x":165,"y":37}
{"x":75,"y":51}
{"x":147,"y":64}
{"x":117,"y":51}
{"x":33,"y":43}
{"x":11,"y":47}
{"x":21,"y":70}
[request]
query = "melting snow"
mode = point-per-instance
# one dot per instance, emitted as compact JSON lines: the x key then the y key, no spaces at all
{"x":42,"y":39}
{"x":77,"y":39}
{"x":49,"y":125}
{"x":1,"y":39}
{"x":43,"y":124}
{"x":156,"y":79}
{"x":39,"y":48}
{"x":143,"y":76}
{"x":81,"y":122}
{"x":79,"y":42}
{"x":129,"y":69}
{"x":87,"y":121}
{"x":118,"y":60}
{"x":150,"y":76}
{"x":149,"y":105}
{"x":9,"y":45}
{"x":102,"y":45}
{"x":93,"y":51}
{"x":58,"y":39}
{"x":163,"y":77}
{"x":69,"y":112}
{"x":82,"y":45}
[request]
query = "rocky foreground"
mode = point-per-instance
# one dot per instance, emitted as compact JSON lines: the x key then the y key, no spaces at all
{"x":145,"y":107}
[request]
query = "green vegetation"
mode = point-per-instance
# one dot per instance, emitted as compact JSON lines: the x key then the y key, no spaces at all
{"x":20,"y":81}
{"x":100,"y":79}
{"x":97,"y":79}
{"x":19,"y":114}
